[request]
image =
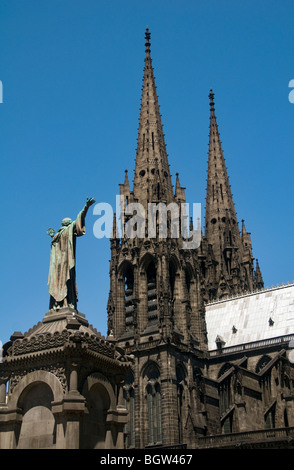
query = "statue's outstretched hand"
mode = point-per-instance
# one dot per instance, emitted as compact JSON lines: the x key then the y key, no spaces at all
{"x":90,"y":201}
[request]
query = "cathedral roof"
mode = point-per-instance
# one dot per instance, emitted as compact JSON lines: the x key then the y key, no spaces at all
{"x":267,"y":315}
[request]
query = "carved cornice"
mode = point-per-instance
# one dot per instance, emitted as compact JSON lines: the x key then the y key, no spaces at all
{"x":64,"y":342}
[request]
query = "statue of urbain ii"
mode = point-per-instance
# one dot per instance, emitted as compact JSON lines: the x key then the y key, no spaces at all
{"x":62,"y":275}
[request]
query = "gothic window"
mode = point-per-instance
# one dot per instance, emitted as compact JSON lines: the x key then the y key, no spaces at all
{"x":158,"y":411}
{"x":270,"y":418}
{"x":200,"y":388}
{"x":263,"y":361}
{"x":150,"y":407}
{"x":225,"y":395}
{"x":266,"y":388}
{"x":153,"y":403}
{"x":129,"y":400}
{"x":181,"y":376}
{"x":227,"y":366}
{"x":286,"y":385}
{"x":266,"y":380}
{"x":129,"y":287}
{"x":151,"y":293}
{"x":227,"y":424}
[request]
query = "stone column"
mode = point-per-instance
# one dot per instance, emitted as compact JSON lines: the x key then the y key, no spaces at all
{"x":10,"y":424}
{"x":116,"y":420}
{"x":3,"y":382}
{"x":73,"y":410}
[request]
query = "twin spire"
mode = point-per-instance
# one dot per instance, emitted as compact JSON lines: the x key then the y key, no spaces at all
{"x":152,"y":180}
{"x":232,"y":249}
{"x":220,"y":209}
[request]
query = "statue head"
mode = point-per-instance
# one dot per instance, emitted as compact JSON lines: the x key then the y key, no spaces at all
{"x":66,"y":221}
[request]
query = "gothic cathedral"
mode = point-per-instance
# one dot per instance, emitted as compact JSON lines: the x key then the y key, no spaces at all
{"x":158,"y":290}
{"x":198,"y":354}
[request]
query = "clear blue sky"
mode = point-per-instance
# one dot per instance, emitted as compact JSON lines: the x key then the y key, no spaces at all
{"x":72,"y":74}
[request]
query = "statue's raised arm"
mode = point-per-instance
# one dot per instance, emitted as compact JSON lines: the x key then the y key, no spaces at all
{"x":62,"y":275}
{"x":90,"y":201}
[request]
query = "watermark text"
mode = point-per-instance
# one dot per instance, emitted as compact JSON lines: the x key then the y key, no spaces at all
{"x":291,"y":94}
{"x":157,"y":220}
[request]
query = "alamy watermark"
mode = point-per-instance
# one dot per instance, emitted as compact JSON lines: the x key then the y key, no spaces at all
{"x":1,"y":352}
{"x":291,"y":94}
{"x":157,"y":220}
{"x":1,"y":92}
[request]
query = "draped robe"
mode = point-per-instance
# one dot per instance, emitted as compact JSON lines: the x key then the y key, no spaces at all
{"x":62,"y":277}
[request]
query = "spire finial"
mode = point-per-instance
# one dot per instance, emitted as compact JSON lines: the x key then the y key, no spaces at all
{"x":211,"y":97}
{"x":147,"y":43}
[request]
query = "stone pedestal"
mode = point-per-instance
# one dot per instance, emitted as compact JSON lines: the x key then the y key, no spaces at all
{"x":57,"y":373}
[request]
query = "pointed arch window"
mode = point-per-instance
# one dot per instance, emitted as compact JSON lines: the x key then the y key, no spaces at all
{"x":158,"y":411}
{"x":227,"y":424}
{"x":150,"y":406}
{"x":263,"y":361}
{"x":270,"y":418}
{"x":225,"y":394}
{"x":181,"y":380}
{"x":129,"y":289}
{"x":153,"y":403}
{"x":151,"y":293}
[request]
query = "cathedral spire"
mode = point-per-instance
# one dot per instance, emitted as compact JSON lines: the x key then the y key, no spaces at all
{"x":179,"y":191}
{"x":220,"y":215}
{"x":258,"y":280}
{"x":232,"y":250}
{"x":221,"y":225}
{"x":152,"y":179}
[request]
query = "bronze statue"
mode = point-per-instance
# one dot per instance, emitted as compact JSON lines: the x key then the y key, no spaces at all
{"x":62,"y":276}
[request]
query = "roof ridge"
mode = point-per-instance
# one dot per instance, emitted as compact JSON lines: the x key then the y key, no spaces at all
{"x":247,"y":294}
